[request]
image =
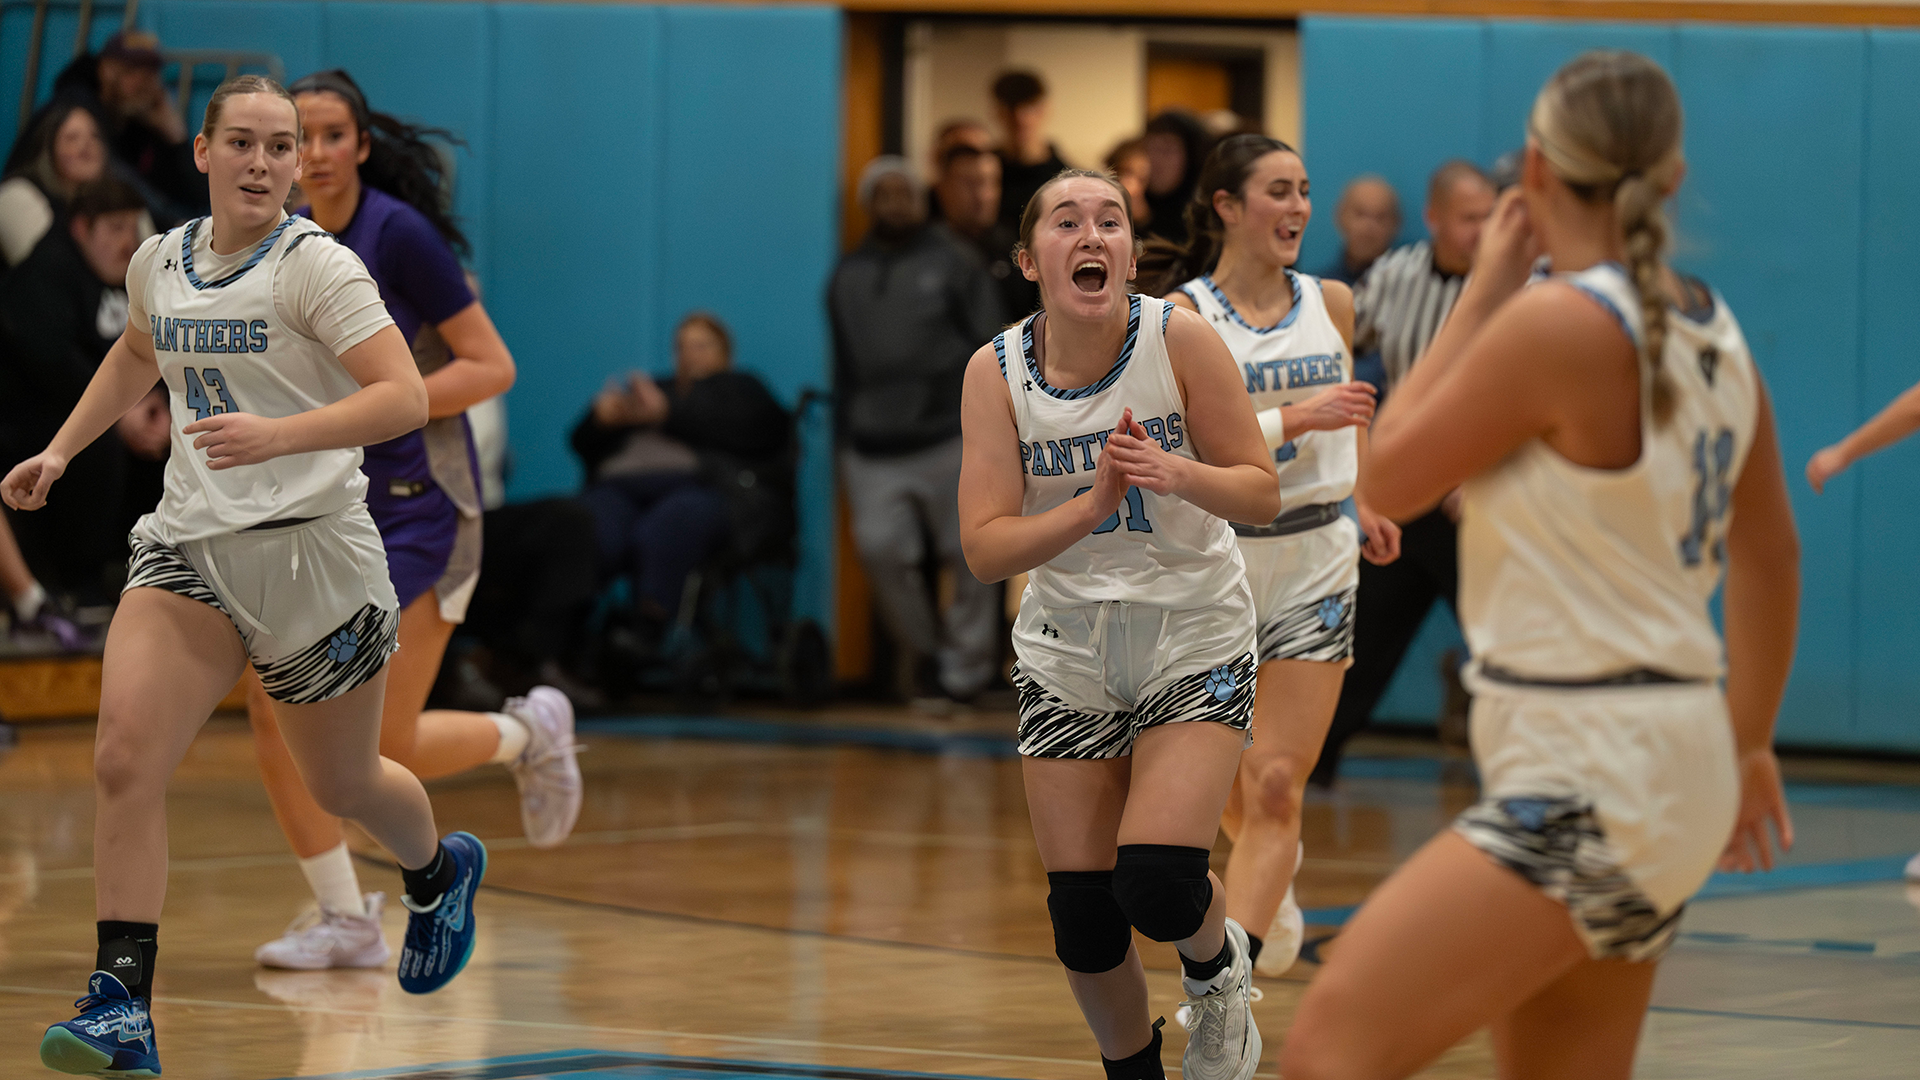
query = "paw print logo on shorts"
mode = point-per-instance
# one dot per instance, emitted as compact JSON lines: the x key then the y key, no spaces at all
{"x":1331,"y":609}
{"x":343,"y":646}
{"x":1221,"y":682}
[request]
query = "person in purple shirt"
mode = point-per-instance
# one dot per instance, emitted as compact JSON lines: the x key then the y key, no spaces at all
{"x":374,"y":182}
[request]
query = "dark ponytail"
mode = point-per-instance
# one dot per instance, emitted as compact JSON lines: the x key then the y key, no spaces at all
{"x":400,"y":159}
{"x":1166,"y":264}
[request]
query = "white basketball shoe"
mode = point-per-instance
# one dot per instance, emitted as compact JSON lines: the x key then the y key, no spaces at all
{"x":546,"y":772}
{"x":1224,"y":1042}
{"x":322,"y":938}
{"x":1281,"y":947}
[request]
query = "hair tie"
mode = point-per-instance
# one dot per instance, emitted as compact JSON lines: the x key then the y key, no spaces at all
{"x":337,"y":81}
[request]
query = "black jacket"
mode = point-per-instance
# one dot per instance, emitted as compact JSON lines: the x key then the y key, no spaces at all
{"x":906,"y":316}
{"x":744,"y":440}
{"x":730,"y":413}
{"x":50,"y":340}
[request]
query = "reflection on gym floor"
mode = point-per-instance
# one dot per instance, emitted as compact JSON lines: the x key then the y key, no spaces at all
{"x":859,"y":890}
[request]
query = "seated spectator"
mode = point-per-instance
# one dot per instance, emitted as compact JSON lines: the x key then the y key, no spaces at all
{"x":63,"y":151}
{"x":1368,"y":218}
{"x":1177,"y":145}
{"x":908,"y":310}
{"x":968,"y":196}
{"x":652,"y":454}
{"x":1129,"y":162}
{"x":60,"y":310}
{"x":143,"y":128}
{"x":1027,"y":159}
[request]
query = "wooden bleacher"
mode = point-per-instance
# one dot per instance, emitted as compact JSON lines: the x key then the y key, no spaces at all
{"x":35,"y":688}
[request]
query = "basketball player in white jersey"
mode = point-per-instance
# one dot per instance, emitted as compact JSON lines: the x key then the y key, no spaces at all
{"x":1890,"y":425}
{"x":1106,"y":439}
{"x":1292,"y":337}
{"x":1620,"y":460}
{"x":281,"y":362}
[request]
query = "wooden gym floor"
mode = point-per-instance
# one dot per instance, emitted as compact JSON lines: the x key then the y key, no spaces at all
{"x":854,"y":895}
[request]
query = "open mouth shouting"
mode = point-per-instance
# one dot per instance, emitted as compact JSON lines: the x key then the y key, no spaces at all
{"x":1090,"y":276}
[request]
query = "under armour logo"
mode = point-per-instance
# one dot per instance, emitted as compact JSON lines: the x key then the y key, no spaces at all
{"x":1709,"y":364}
{"x":1048,"y":631}
{"x":171,"y":264}
{"x":1027,"y":384}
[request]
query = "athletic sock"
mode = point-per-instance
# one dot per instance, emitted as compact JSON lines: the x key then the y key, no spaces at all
{"x":1254,"y":945}
{"x":426,"y":885}
{"x":28,"y":604}
{"x":1144,"y":1065}
{"x":1207,"y":976}
{"x":513,"y":737}
{"x":127,"y":951}
{"x":330,"y":875}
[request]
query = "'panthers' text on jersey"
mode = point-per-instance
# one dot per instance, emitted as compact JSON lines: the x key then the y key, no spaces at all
{"x":1568,"y":572}
{"x":224,"y":346}
{"x":1155,"y":549}
{"x":1284,"y":364}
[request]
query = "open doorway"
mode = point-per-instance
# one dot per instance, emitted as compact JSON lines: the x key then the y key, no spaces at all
{"x":1104,"y":80}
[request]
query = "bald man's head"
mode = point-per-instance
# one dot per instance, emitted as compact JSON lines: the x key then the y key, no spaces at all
{"x":1368,"y":219}
{"x":1459,"y":199}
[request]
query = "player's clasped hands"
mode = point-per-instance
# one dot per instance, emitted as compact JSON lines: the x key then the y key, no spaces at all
{"x":235,"y":438}
{"x":1140,"y":462}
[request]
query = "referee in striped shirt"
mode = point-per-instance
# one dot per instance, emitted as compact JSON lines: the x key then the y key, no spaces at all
{"x":1398,"y":307}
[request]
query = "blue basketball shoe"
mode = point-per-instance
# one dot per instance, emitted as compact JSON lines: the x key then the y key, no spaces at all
{"x":440,"y":938}
{"x":112,"y":1036}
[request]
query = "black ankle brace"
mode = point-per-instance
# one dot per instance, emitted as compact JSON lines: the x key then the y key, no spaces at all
{"x":1144,"y":1065}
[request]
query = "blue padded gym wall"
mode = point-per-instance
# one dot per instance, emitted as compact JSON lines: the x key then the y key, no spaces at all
{"x":624,"y":164}
{"x":1798,"y":207}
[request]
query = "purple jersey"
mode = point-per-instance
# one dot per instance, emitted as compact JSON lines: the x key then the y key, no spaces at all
{"x":422,"y":284}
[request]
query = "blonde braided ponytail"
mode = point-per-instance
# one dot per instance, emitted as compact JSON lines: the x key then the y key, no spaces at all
{"x":1609,"y":124}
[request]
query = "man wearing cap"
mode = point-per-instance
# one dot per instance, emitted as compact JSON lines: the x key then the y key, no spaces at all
{"x":909,"y":306}
{"x":144,"y":128}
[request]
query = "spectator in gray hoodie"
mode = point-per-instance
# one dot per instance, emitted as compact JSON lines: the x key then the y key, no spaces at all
{"x":909,"y":306}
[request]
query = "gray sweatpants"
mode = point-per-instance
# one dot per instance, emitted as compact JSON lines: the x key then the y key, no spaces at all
{"x":896,"y":502}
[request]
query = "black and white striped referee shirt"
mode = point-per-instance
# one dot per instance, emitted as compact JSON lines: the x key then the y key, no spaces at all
{"x":1399,"y":304}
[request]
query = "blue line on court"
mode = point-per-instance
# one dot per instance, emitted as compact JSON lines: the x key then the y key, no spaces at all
{"x":804,"y":733}
{"x":1720,"y":886}
{"x":742,"y":729}
{"x":1811,"y":876}
{"x":1825,"y":1020}
{"x":614,"y":1065}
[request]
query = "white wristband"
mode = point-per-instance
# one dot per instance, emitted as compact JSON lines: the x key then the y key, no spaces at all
{"x":1272,"y":429}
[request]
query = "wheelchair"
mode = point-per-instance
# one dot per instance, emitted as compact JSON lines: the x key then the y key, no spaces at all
{"x":735,"y":632}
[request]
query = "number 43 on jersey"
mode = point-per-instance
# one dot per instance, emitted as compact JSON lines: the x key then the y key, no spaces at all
{"x":198,"y":383}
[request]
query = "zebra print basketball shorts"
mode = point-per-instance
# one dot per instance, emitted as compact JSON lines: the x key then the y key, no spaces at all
{"x":1092,"y":678}
{"x":1304,"y":587}
{"x":311,"y":601}
{"x":1615,"y":801}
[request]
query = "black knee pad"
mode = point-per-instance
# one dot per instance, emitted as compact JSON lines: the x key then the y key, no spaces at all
{"x":1163,"y":889}
{"x":1090,"y":933}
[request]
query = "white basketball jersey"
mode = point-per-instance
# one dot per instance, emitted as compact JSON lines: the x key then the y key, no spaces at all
{"x":1285,"y":364}
{"x":1571,"y":573}
{"x":1155,"y":549}
{"x":223,"y":347}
